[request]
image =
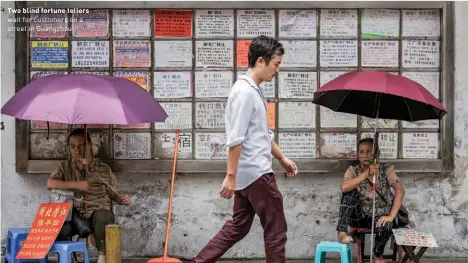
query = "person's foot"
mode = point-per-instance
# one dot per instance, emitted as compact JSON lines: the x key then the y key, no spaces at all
{"x":379,"y":259}
{"x":344,"y":238}
{"x":101,"y":258}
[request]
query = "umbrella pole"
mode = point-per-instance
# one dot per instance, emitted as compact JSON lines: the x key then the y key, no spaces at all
{"x":374,"y":153}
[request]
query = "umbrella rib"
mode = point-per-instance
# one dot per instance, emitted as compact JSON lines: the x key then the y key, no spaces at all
{"x":409,"y":111}
{"x":344,"y":97}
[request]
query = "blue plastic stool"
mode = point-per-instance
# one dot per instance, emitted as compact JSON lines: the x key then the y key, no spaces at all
{"x":326,"y":246}
{"x":13,"y":245}
{"x":65,"y":248}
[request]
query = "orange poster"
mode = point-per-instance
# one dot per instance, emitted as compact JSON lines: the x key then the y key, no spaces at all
{"x":172,"y":23}
{"x":243,"y":53}
{"x":271,"y":115}
{"x":46,"y":226}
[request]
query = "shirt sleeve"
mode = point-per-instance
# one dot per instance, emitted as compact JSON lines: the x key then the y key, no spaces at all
{"x":239,"y":117}
{"x":58,"y":173}
{"x":349,"y":174}
{"x":272,"y":135}
{"x":392,"y":177}
{"x":113,"y":185}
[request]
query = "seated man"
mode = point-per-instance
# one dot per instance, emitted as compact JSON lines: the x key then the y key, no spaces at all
{"x":356,"y":201}
{"x":98,"y":190}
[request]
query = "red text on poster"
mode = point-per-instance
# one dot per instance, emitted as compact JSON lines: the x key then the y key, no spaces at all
{"x":172,"y":23}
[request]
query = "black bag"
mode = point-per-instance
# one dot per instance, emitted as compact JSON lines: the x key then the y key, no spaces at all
{"x":81,"y":224}
{"x":402,"y":217}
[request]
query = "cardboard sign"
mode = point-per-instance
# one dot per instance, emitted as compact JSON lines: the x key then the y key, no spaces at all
{"x":411,"y":237}
{"x":45,"y":229}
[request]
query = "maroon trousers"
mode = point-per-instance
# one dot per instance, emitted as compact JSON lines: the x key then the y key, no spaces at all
{"x":263,"y":198}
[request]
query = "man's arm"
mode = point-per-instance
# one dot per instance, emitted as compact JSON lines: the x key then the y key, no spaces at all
{"x":276,"y":151}
{"x":113,"y":188}
{"x":57,"y":181}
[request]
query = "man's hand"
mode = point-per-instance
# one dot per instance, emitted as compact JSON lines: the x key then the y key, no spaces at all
{"x":289,"y":166}
{"x":229,"y":185}
{"x":374,"y":169}
{"x":82,"y":186}
{"x":124,"y":200}
{"x":384,"y":220}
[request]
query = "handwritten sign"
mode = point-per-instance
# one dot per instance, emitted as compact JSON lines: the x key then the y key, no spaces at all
{"x":87,"y":54}
{"x":380,"y":23}
{"x":172,"y":23}
{"x":294,"y":114}
{"x":179,"y":116}
{"x":173,"y":54}
{"x":243,"y":53}
{"x":271,"y":112}
{"x":421,"y":23}
{"x":388,"y":144}
{"x":381,"y":123}
{"x":297,"y":84}
{"x":165,"y":143}
{"x":251,"y":23}
{"x":333,"y":119}
{"x":338,"y":53}
{"x":420,"y":145}
{"x":299,"y":54}
{"x":297,"y":23}
{"x":132,"y":145}
{"x":429,"y":80}
{"x":377,"y":53}
{"x":92,"y":24}
{"x":268,"y":88}
{"x":338,"y":145}
{"x":327,"y":76}
{"x":338,"y":23}
{"x":421,"y":54}
{"x":45,"y":229}
{"x":412,"y":237}
{"x":49,"y":54}
{"x":210,"y":115}
{"x":131,"y":23}
{"x":214,"y":23}
{"x":210,"y":146}
{"x":214,"y":54}
{"x":45,"y":25}
{"x":213,"y":84}
{"x":170,"y":85}
{"x":132,"y":53}
{"x":297,"y":144}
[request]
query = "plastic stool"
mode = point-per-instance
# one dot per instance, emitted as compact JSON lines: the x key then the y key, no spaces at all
{"x":65,"y":248}
{"x":13,"y":245}
{"x":326,"y":246}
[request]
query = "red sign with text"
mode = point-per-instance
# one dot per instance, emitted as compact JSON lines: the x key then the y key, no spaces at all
{"x":45,"y":229}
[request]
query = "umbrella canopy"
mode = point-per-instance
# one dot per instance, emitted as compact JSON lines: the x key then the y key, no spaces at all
{"x":85,"y":99}
{"x":377,"y":94}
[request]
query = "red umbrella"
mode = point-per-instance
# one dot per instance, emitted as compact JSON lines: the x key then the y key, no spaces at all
{"x":377,"y":94}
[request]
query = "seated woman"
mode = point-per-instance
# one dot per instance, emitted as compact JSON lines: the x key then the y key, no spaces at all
{"x":100,"y":185}
{"x":356,"y":201}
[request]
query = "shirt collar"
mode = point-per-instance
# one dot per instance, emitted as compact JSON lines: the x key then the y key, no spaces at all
{"x":249,"y":80}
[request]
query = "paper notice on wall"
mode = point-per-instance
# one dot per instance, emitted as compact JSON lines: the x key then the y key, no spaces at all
{"x":338,"y":23}
{"x":141,"y":78}
{"x":210,"y":115}
{"x":378,"y":53}
{"x":132,"y":53}
{"x":338,"y":145}
{"x":45,"y":25}
{"x":333,"y":119}
{"x":380,"y":23}
{"x":214,"y":54}
{"x":173,"y":54}
{"x":298,"y":144}
{"x":271,"y":114}
{"x":164,"y":145}
{"x":49,"y":54}
{"x":421,"y":54}
{"x":214,"y":23}
{"x":92,"y":24}
{"x":388,"y":143}
{"x":213,"y":84}
{"x":132,"y":145}
{"x":368,"y":123}
{"x":252,"y":23}
{"x":421,"y":23}
{"x":179,"y":116}
{"x":172,"y":23}
{"x":172,"y":85}
{"x":90,"y":54}
{"x":429,"y":80}
{"x":421,"y":145}
{"x":131,"y":23}
{"x":97,"y":73}
{"x":297,"y":23}
{"x":299,"y":53}
{"x":210,"y":146}
{"x":33,"y":75}
{"x":338,"y":53}
{"x":243,"y":53}
{"x":327,"y":76}
{"x":294,"y":114}
{"x":300,"y":85}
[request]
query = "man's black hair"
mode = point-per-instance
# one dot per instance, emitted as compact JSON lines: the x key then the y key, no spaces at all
{"x":265,"y":47}
{"x":79,"y":132}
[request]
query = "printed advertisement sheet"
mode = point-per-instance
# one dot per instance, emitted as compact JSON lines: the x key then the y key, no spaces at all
{"x":132,"y":53}
{"x":90,"y":54}
{"x":338,"y":53}
{"x":213,"y":84}
{"x":429,"y":80}
{"x":368,"y":123}
{"x":420,"y":145}
{"x":333,"y":119}
{"x":298,"y":144}
{"x":214,"y":54}
{"x":327,"y":76}
{"x":132,"y":145}
{"x":92,"y":24}
{"x":271,"y":114}
{"x":45,"y":25}
{"x":165,"y":143}
{"x":299,"y":54}
{"x":214,"y":23}
{"x":210,"y":146}
{"x":338,"y":23}
{"x":49,"y":54}
{"x":173,"y":54}
{"x":131,"y":23}
{"x":421,"y":23}
{"x":296,"y":115}
{"x":210,"y":115}
{"x":421,"y":54}
{"x":297,"y":84}
{"x":380,"y":23}
{"x":251,"y":23}
{"x":243,"y":53}
{"x":172,"y":23}
{"x":179,"y":116}
{"x":172,"y":85}
{"x":378,"y":53}
{"x":297,"y":23}
{"x":338,"y":145}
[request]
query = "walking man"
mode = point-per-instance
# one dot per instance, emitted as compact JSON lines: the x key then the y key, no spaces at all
{"x":250,"y":176}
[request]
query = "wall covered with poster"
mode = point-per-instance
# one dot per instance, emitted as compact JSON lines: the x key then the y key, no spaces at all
{"x":188,"y":59}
